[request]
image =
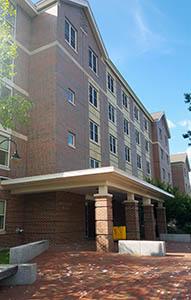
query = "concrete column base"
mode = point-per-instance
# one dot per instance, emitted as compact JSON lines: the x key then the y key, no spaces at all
{"x":132,"y":220}
{"x":149,"y":222}
{"x":104,"y":223}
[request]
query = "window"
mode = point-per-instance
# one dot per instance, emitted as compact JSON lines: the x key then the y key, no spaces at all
{"x":163,"y":174}
{"x":112,"y":113}
{"x":94,"y":163}
{"x":148,"y":168}
{"x":2,"y":214}
{"x":160,"y":133}
{"x":93,"y":95}
{"x":127,"y":154}
{"x":110,"y":83}
{"x":71,"y":139}
{"x":169,"y":179}
{"x":137,"y":136}
{"x":166,"y":141}
{"x":4,"y":151}
{"x":126,"y":126}
{"x":146,"y":146}
{"x":113,"y":144}
{"x":145,"y":124}
{"x":70,"y":35}
{"x":167,"y":159}
{"x":136,"y":113}
{"x":139,"y":164}
{"x":70,"y":96}
{"x":93,"y":61}
{"x":125,"y":100}
{"x":162,"y":153}
{"x":94,"y":132}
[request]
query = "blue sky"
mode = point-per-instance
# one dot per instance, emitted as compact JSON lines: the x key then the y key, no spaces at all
{"x":150,"y":43}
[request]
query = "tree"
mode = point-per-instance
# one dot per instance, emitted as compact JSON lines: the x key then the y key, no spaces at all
{"x":14,"y":109}
{"x":187,"y":100}
{"x":178,"y":209}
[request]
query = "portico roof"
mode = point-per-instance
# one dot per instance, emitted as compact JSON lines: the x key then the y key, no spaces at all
{"x":115,"y":179}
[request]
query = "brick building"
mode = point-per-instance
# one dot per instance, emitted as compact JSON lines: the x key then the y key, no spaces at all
{"x":90,"y":143}
{"x":180,"y":172}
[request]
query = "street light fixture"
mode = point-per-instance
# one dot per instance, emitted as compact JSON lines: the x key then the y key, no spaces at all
{"x":15,"y":155}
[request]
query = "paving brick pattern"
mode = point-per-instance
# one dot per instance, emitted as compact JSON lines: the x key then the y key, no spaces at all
{"x":76,"y":274}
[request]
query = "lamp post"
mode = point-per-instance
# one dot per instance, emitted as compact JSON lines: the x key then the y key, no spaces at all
{"x":15,"y":155}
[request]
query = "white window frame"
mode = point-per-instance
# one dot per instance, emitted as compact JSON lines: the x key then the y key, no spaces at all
{"x":71,"y":27}
{"x":147,"y":145}
{"x":73,"y":96}
{"x":73,"y":145}
{"x":112,"y":144}
{"x":111,"y":113}
{"x":139,"y":162}
{"x":126,"y":126}
{"x":137,"y":137}
{"x":136,"y":113}
{"x":95,"y":161}
{"x":146,"y":125}
{"x":4,"y":215}
{"x":148,"y":166}
{"x":127,"y":154}
{"x":6,"y":136}
{"x":91,"y":56}
{"x":94,"y":91}
{"x":110,"y":83}
{"x":125,"y":100}
{"x":93,"y":138}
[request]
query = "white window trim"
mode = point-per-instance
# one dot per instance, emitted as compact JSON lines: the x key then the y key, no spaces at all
{"x":113,"y":137}
{"x":136,"y":131}
{"x":91,"y":68}
{"x":115,"y":114}
{"x":74,"y":96}
{"x":92,"y":141}
{"x":95,"y":160}
{"x":128,"y":161}
{"x":138,"y":113}
{"x":76,"y":36}
{"x":125,"y":120}
{"x":140,"y":168}
{"x":96,"y":107}
{"x":128,"y":99}
{"x":3,"y":167}
{"x":5,"y":211}
{"x":74,"y":139}
{"x":109,"y":74}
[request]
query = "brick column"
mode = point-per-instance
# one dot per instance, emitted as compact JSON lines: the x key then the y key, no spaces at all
{"x":132,"y":218}
{"x":149,"y":220}
{"x":161,"y":218}
{"x":104,"y":222}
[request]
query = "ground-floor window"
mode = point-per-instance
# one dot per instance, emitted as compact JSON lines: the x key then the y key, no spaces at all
{"x":2,"y":214}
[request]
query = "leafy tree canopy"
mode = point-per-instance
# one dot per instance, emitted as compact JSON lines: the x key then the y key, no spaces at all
{"x":14,"y":108}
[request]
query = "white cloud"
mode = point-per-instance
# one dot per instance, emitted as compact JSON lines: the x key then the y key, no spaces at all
{"x":185,"y":123}
{"x":170,"y":124}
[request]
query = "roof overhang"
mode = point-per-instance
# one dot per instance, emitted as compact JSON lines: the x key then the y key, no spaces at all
{"x":114,"y":178}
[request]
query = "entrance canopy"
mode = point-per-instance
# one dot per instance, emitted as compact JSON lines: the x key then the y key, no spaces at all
{"x":83,"y":181}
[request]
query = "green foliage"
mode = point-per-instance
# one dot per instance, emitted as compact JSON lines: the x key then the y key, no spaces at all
{"x":178,"y":209}
{"x":14,"y":109}
{"x":187,"y":100}
{"x":4,"y":256}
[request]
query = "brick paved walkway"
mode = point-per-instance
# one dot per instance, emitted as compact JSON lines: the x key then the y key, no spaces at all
{"x":65,"y":275}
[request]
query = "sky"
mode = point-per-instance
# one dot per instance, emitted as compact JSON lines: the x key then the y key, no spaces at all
{"x":150,"y":43}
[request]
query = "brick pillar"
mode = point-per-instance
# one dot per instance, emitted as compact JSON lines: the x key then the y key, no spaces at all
{"x":104,"y":223}
{"x":161,"y":219}
{"x":149,"y":220}
{"x":132,"y":218}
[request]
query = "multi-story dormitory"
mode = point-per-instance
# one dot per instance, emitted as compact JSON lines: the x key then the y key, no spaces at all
{"x":90,"y":143}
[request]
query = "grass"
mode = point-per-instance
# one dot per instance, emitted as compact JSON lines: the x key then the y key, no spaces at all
{"x":4,"y":256}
